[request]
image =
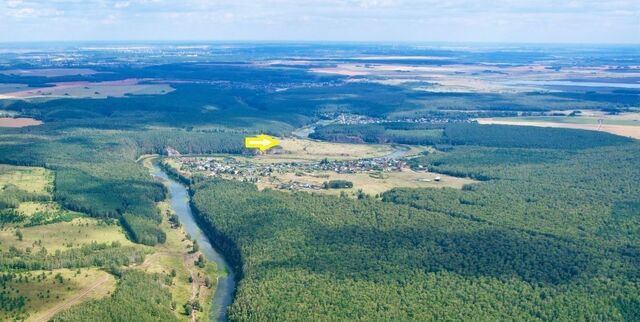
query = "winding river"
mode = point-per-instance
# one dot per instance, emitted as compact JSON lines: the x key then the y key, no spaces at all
{"x":226,"y":284}
{"x":179,"y":198}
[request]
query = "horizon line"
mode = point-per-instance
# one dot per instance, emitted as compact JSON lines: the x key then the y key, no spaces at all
{"x":386,"y":42}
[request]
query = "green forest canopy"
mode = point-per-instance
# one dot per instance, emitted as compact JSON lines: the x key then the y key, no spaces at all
{"x":549,"y":237}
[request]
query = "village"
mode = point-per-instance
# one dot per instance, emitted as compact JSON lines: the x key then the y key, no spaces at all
{"x":278,"y":174}
{"x":355,"y":119}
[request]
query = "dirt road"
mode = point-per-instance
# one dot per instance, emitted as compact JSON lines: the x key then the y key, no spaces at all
{"x":83,"y":295}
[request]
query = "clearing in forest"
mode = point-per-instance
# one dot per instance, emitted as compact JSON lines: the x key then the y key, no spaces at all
{"x":30,"y":179}
{"x":46,"y":293}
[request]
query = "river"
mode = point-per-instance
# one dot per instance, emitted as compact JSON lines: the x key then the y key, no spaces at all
{"x":226,"y":284}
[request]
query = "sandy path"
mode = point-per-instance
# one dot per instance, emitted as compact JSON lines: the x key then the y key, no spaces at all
{"x":80,"y":297}
{"x":623,"y":130}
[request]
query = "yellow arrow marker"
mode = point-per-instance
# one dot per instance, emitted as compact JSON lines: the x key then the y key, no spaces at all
{"x":263,"y":142}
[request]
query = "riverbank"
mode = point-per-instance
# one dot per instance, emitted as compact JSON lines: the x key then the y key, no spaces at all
{"x":179,"y":204}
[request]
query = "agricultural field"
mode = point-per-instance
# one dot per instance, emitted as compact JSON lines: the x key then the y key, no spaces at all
{"x":629,"y":127}
{"x":97,"y":90}
{"x":18,"y":122}
{"x":49,"y":72}
{"x":8,"y":88}
{"x":443,"y":76}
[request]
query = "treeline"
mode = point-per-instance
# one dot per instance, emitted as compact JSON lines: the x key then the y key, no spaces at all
{"x":189,"y":142}
{"x":505,"y":136}
{"x":95,"y":173}
{"x":11,"y":303}
{"x":128,"y":194}
{"x":93,"y":254}
{"x":396,"y":132}
{"x":304,"y":256}
{"x":509,"y":136}
{"x":11,"y":196}
{"x":337,"y":184}
{"x":138,"y":297}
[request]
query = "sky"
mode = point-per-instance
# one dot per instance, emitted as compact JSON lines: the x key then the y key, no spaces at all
{"x":512,"y":21}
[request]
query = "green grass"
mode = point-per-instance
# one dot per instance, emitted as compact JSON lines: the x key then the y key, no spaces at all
{"x":43,"y":291}
{"x":64,"y":235}
{"x":30,"y":179}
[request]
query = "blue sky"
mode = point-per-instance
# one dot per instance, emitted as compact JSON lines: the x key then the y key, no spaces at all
{"x":548,"y":21}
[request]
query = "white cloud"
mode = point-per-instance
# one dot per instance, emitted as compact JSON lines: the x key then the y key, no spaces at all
{"x":122,"y":4}
{"x":109,"y":19}
{"x":477,"y":20}
{"x":13,"y":3}
{"x":21,"y":13}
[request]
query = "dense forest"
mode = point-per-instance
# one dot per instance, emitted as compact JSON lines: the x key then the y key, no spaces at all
{"x":392,"y":132}
{"x":552,"y":235}
{"x":90,"y":255}
{"x":505,"y":136}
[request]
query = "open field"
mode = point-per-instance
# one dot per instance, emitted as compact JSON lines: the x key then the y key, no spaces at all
{"x":97,"y":90}
{"x":64,"y":235}
{"x":474,"y":78}
{"x":43,"y":213}
{"x":8,"y":88}
{"x":39,"y":182}
{"x":631,"y":119}
{"x":368,"y":183}
{"x":308,"y":150}
{"x":18,"y":122}
{"x":30,"y":208}
{"x":30,"y":179}
{"x":623,"y":130}
{"x":47,"y":292}
{"x":49,"y":72}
